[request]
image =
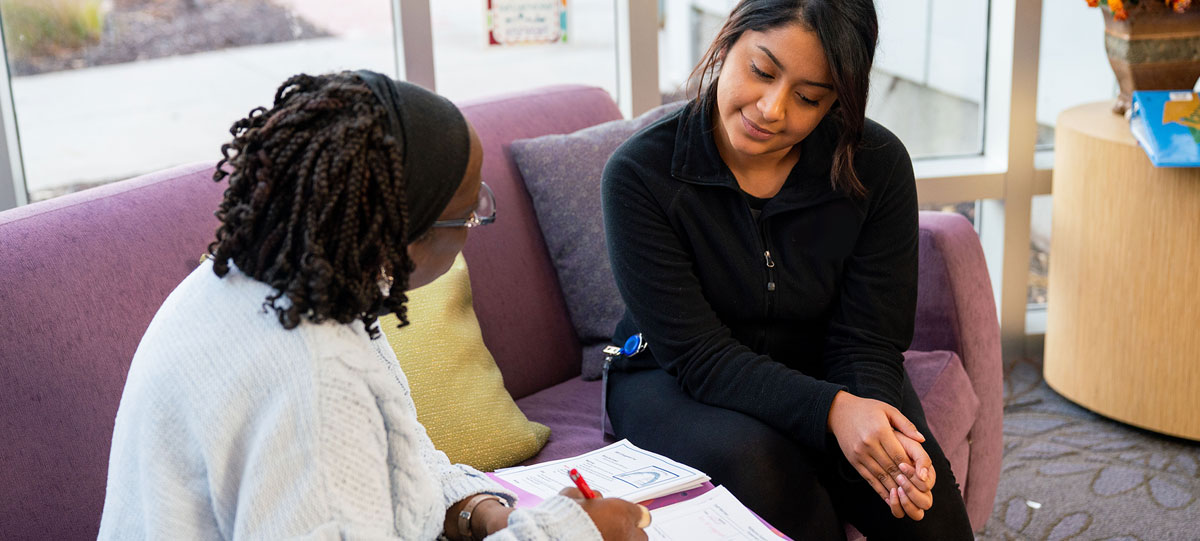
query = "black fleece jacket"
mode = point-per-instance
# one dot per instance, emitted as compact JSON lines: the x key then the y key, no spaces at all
{"x":769,"y":316}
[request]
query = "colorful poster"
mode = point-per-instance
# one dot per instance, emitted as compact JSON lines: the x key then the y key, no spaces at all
{"x":513,"y":22}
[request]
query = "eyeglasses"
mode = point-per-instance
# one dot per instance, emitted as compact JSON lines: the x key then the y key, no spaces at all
{"x":484,"y":213}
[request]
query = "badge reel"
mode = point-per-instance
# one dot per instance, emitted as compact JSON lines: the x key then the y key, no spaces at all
{"x":634,"y":345}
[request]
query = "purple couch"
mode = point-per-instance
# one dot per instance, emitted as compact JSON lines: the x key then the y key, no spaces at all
{"x":82,"y":275}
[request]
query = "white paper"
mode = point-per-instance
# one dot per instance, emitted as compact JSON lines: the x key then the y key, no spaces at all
{"x":620,"y":470}
{"x":715,"y":515}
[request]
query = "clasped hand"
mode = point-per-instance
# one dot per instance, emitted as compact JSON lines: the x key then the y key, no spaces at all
{"x":885,"y":448}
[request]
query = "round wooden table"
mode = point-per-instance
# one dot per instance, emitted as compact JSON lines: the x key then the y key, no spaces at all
{"x":1123,"y":320}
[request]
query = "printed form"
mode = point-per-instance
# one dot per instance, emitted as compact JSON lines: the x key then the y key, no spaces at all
{"x":620,"y":470}
{"x":715,"y":515}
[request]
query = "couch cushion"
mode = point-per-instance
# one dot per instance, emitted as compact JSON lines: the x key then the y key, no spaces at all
{"x":572,"y":411}
{"x":81,"y":277}
{"x":517,"y":297}
{"x":458,"y":391}
{"x":562,"y":174}
{"x":950,"y":403}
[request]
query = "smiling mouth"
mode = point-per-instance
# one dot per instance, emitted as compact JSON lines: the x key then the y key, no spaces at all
{"x":754,"y":130}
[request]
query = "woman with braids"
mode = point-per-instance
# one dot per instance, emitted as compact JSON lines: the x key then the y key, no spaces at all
{"x":764,"y":239}
{"x":263,"y":402}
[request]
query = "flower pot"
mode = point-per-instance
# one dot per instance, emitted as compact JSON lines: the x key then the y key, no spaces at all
{"x":1154,"y":49}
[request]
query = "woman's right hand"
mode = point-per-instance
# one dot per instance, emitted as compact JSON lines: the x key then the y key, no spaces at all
{"x":617,"y":519}
{"x":865,"y":430}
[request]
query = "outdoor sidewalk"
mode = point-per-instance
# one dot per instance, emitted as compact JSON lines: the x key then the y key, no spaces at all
{"x":106,"y":123}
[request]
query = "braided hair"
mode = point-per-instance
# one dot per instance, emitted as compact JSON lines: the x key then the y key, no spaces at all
{"x":316,"y":205}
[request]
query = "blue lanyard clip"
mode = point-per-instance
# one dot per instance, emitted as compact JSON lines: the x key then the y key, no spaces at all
{"x":634,"y":345}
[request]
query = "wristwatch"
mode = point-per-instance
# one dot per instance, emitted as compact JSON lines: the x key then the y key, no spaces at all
{"x":464,"y":516}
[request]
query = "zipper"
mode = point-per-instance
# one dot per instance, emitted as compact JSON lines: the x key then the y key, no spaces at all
{"x":770,"y":262}
{"x":764,"y":245}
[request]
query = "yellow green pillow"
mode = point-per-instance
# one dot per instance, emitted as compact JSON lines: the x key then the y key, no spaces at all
{"x":458,"y":390}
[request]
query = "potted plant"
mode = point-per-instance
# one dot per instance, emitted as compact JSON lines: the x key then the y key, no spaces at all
{"x":1151,"y":44}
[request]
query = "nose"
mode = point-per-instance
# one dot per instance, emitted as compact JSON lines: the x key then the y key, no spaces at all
{"x":773,"y":104}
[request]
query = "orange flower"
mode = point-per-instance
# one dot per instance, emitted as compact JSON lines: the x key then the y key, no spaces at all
{"x":1118,"y":9}
{"x":1118,"y":6}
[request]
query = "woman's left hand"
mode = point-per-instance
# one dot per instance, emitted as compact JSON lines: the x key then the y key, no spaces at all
{"x":914,"y":494}
{"x":865,"y":430}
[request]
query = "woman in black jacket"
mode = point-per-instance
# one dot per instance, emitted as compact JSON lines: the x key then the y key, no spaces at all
{"x":764,"y":239}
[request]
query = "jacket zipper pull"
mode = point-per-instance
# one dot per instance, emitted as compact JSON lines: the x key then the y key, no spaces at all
{"x":770,"y":265}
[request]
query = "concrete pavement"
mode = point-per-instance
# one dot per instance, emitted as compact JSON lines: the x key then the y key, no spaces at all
{"x":107,"y":123}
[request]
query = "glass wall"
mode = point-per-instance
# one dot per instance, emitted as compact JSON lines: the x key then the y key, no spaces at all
{"x":1039,"y":246}
{"x":489,"y":47}
{"x":1072,"y":68}
{"x":104,"y":90}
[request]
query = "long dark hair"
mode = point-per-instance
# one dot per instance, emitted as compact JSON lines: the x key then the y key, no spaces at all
{"x":316,"y":204}
{"x":847,"y":29}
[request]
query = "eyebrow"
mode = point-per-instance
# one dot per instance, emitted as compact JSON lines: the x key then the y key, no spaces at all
{"x":805,"y":81}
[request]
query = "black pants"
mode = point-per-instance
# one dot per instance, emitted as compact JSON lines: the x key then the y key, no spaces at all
{"x":806,"y":493}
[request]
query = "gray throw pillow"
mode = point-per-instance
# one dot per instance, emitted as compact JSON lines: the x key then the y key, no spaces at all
{"x":562,"y":174}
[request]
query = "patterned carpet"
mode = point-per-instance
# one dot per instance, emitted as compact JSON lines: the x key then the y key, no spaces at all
{"x":1071,"y":474}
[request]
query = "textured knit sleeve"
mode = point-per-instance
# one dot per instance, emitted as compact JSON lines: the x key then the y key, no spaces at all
{"x":556,"y":518}
{"x":874,"y":316}
{"x":458,"y":481}
{"x":654,"y":273}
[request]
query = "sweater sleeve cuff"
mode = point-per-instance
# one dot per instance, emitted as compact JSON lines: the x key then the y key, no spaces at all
{"x":878,"y":387}
{"x":814,"y":437}
{"x":558,"y":517}
{"x":460,"y":481}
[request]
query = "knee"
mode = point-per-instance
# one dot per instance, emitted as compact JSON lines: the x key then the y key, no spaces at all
{"x":749,"y":449}
{"x":754,"y":458}
{"x":776,"y":478}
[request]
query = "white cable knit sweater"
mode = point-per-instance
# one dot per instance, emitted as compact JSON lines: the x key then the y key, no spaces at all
{"x":231,"y":427}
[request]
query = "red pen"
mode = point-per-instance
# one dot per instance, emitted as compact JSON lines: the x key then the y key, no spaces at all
{"x":583,"y":486}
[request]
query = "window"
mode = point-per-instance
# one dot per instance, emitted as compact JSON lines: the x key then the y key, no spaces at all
{"x":522,"y":44}
{"x":1073,"y":67}
{"x":107,"y":90}
{"x":930,"y":73}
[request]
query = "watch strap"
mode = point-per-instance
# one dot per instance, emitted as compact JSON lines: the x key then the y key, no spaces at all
{"x":464,"y":516}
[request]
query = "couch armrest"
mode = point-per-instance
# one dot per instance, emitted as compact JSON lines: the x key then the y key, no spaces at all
{"x":956,"y":310}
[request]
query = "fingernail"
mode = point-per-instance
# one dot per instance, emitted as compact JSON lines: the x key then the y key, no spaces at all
{"x":899,"y":479}
{"x":645,"y":520}
{"x":924,"y":473}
